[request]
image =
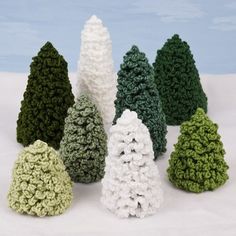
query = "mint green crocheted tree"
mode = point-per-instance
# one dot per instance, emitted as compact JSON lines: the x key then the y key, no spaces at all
{"x":197,"y":164}
{"x":84,"y":145}
{"x":40,"y":186}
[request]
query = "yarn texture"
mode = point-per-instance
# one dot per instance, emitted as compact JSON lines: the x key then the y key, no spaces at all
{"x":84,"y":144}
{"x":137,"y":92}
{"x":96,"y":75}
{"x":47,"y":97}
{"x":178,"y":81}
{"x":197,"y":164}
{"x":131,"y":185}
{"x":40,"y":184}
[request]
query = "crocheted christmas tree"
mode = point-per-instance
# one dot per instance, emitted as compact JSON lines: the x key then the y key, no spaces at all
{"x":40,"y":186}
{"x":178,"y":81}
{"x":137,"y":92}
{"x":197,"y":164}
{"x":131,"y":185}
{"x":84,"y":144}
{"x":47,"y":97}
{"x":96,"y":75}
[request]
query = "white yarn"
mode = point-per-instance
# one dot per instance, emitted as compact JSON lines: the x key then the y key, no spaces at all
{"x":96,"y":76}
{"x":131,"y":185}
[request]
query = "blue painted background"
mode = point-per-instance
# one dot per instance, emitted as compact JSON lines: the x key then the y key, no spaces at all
{"x":208,"y":26}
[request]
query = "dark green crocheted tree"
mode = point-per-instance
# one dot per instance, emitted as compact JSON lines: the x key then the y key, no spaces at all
{"x":137,"y":92}
{"x":178,"y":81}
{"x":47,"y":97}
{"x":197,"y":164}
{"x":84,"y":144}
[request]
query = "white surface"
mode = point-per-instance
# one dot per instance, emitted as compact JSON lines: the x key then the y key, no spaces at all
{"x":182,"y":213}
{"x":131,"y":185}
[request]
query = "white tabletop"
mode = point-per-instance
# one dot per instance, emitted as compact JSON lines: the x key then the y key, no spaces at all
{"x":182,"y":213}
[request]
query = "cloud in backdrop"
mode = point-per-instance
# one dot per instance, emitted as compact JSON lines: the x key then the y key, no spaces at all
{"x":208,"y":26}
{"x":169,"y":10}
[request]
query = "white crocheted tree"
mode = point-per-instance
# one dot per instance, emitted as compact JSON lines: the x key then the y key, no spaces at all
{"x":96,"y":75}
{"x":131,"y":185}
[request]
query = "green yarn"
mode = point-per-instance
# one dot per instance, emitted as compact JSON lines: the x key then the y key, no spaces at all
{"x":46,"y":100}
{"x":84,"y":144}
{"x":197,"y":164}
{"x":178,"y":81}
{"x":137,"y":92}
{"x":40,"y":184}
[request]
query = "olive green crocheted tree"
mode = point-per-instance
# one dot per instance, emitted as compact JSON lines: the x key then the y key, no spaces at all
{"x":40,"y":186}
{"x":197,"y":164}
{"x":178,"y":81}
{"x":47,"y":97}
{"x":137,"y":92}
{"x":84,"y":144}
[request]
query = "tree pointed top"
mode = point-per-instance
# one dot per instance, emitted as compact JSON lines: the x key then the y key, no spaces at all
{"x":136,"y":54}
{"x":84,"y":98}
{"x":38,"y":143}
{"x":94,"y":19}
{"x":176,"y":39}
{"x":200,"y":112}
{"x":199,"y":115}
{"x":48,"y":47}
{"x":176,"y":36}
{"x":199,"y":120}
{"x":134,"y":48}
{"x":134,"y":58}
{"x":127,"y":117}
{"x":83,"y":101}
{"x":38,"y":147}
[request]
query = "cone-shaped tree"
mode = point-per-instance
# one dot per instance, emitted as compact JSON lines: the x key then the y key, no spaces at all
{"x":46,"y":99}
{"x":40,"y":186}
{"x":137,"y":92}
{"x":84,"y":144}
{"x":96,"y":75}
{"x":131,"y":185}
{"x":197,"y":164}
{"x":178,"y":81}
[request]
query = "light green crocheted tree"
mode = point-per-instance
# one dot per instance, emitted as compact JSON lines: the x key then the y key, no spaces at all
{"x":84,"y":145}
{"x":41,"y":186}
{"x":197,"y":164}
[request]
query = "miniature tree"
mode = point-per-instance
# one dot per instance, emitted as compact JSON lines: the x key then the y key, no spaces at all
{"x":131,"y":185}
{"x":178,"y":81}
{"x":137,"y":92}
{"x":197,"y":164}
{"x":96,"y":75}
{"x":84,"y":144}
{"x":40,"y":186}
{"x":46,"y":99}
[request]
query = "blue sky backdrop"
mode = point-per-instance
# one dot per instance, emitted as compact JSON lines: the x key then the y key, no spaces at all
{"x":208,"y":26}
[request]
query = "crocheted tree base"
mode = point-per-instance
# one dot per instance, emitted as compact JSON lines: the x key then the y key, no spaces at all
{"x":40,"y":184}
{"x":197,"y":164}
{"x":137,"y":92}
{"x":96,"y":74}
{"x":47,"y":97}
{"x":178,"y":81}
{"x":84,"y":144}
{"x":131,"y":185}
